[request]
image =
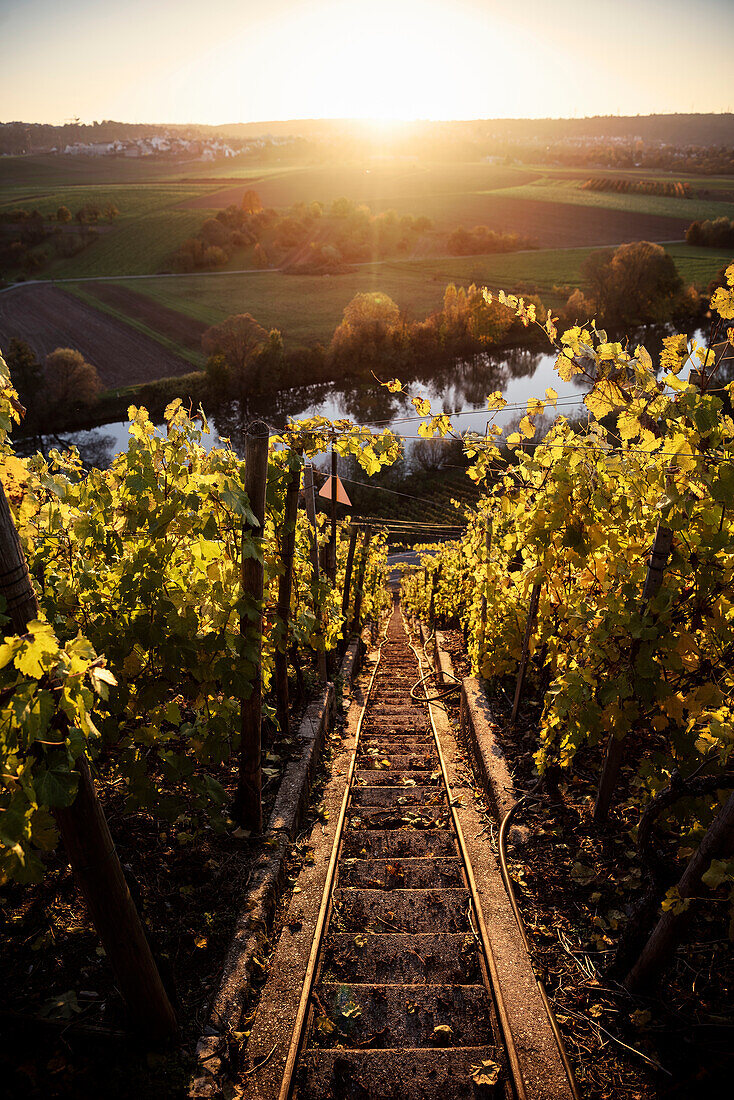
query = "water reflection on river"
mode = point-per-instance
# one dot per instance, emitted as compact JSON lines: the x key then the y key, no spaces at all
{"x":459,"y":389}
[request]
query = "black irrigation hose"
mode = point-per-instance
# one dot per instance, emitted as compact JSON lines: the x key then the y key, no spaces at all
{"x":501,"y":844}
{"x":426,"y":698}
{"x":431,"y":698}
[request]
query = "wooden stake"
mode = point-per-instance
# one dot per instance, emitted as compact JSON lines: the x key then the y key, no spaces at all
{"x":86,"y":838}
{"x":348,"y":574}
{"x":435,"y":578}
{"x":248,"y":800}
{"x":718,"y":843}
{"x":615,"y":749}
{"x":308,"y":489}
{"x":483,"y":606}
{"x":529,"y":625}
{"x":285,"y":587}
{"x":332,"y":541}
{"x":359,"y":591}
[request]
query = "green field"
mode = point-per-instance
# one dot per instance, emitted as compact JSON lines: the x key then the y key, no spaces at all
{"x":162,"y":204}
{"x":158,"y":212}
{"x":550,"y":189}
{"x":308,"y":308}
{"x":150,"y":226}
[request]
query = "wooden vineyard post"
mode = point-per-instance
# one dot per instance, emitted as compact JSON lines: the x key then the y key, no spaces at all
{"x":348,"y":575}
{"x":529,"y":625}
{"x":248,"y":800}
{"x":718,"y":843}
{"x":615,"y":746}
{"x":308,"y":489}
{"x":360,"y":577}
{"x":435,"y":578}
{"x":332,"y":540}
{"x":88,"y":843}
{"x":285,"y":586}
{"x":483,"y":605}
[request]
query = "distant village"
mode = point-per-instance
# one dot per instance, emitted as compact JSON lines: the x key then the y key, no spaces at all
{"x":169,"y":145}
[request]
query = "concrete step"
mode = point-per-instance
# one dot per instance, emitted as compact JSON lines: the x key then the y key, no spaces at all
{"x":390,"y":1016}
{"x":398,"y":761}
{"x":445,"y":958}
{"x":373,"y":777}
{"x":419,"y":1074}
{"x":399,"y":817}
{"x":398,"y":795}
{"x":408,"y":874}
{"x":391,"y":843}
{"x":432,"y":910}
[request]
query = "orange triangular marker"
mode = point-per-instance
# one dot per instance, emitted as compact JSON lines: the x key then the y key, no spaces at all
{"x":341,"y":493}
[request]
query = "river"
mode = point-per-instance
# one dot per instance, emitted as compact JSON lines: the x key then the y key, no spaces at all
{"x":459,"y":389}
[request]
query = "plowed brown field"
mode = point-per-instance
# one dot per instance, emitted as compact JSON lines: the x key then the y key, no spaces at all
{"x":183,"y":330}
{"x":48,"y":318}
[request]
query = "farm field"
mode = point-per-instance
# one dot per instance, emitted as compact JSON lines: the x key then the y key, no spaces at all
{"x":157,"y":216}
{"x":47,"y":318}
{"x":557,"y":191}
{"x":128,"y":304}
{"x":150,"y":226}
{"x":307,"y":308}
{"x":165,"y":317}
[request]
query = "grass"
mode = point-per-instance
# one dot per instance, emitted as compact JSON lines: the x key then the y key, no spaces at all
{"x":133,"y":201}
{"x":548,"y":189}
{"x":150,"y":227}
{"x":699,"y":265}
{"x":307,"y":309}
{"x":135,"y":246}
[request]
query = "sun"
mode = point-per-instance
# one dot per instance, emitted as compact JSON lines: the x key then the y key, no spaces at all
{"x":390,"y":60}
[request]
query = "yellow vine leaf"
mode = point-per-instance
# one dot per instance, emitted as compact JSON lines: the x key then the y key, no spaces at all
{"x":565,"y":366}
{"x":674,"y":353}
{"x":527,"y":427}
{"x":723,"y":302}
{"x":628,"y":425}
{"x":495,"y":401}
{"x":603,"y":399}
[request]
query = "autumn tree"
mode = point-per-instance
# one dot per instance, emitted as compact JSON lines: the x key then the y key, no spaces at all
{"x":63,"y":214}
{"x":237,"y":351}
{"x":26,"y":374}
{"x":260,"y":256}
{"x":70,"y":381}
{"x":366,"y":324}
{"x":251,"y":203}
{"x":635,"y":284}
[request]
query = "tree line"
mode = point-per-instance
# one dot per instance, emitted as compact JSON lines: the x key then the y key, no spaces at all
{"x":634,"y":285}
{"x":716,"y":233}
{"x":307,"y":238}
{"x":29,"y":240}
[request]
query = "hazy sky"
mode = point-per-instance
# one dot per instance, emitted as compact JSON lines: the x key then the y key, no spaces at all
{"x":241,"y":60}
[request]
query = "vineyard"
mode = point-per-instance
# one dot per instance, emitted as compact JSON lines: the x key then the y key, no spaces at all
{"x":168,"y":620}
{"x":668,"y":188}
{"x":593,"y":589}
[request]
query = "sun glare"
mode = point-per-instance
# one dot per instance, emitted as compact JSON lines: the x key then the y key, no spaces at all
{"x":383,"y":61}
